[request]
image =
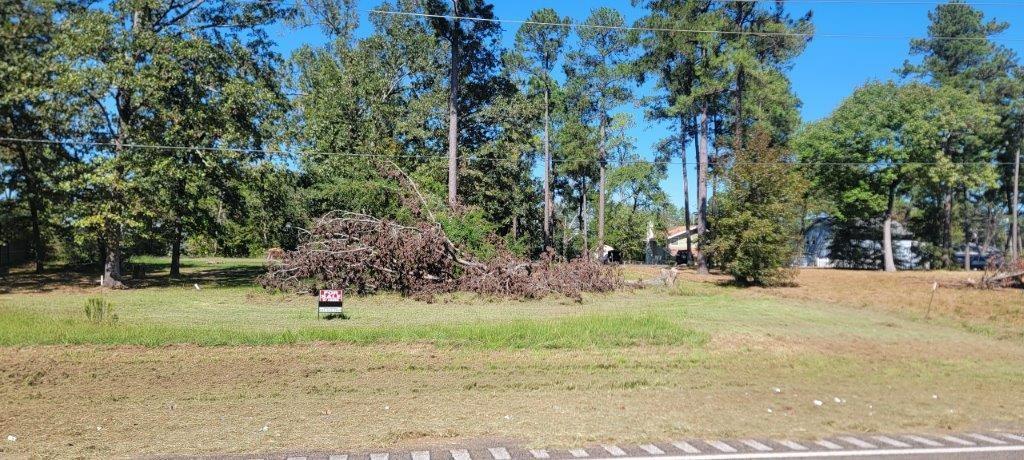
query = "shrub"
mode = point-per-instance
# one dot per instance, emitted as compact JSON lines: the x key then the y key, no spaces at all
{"x":755,"y":222}
{"x":99,"y":311}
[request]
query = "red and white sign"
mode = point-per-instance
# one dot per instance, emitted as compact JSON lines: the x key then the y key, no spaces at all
{"x":330,"y":295}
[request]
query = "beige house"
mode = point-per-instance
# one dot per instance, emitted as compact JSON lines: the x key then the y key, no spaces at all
{"x":676,"y":238}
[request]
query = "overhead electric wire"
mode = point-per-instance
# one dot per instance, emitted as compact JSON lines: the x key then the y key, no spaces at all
{"x":690,"y":31}
{"x":445,"y":156}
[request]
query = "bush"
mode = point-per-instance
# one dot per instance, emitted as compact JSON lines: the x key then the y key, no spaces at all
{"x":99,"y":311}
{"x":755,"y":221}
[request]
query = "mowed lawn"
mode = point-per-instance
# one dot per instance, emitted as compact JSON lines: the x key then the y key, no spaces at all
{"x":230,"y":368}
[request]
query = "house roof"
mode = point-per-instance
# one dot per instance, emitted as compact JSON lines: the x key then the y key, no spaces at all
{"x":680,"y":230}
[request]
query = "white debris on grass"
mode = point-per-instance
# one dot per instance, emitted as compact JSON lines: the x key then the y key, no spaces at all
{"x":776,"y":390}
{"x":265,"y":428}
{"x":770,"y":410}
{"x":11,"y":438}
{"x":196,"y":285}
{"x":818,"y":403}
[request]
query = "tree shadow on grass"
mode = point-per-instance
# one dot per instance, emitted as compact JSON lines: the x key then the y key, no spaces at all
{"x":137,"y":276}
{"x":230,"y":276}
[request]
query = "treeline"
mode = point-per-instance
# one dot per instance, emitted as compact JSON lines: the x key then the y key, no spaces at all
{"x":937,"y":151}
{"x":170,"y":126}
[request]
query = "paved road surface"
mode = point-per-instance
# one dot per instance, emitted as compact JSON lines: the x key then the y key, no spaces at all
{"x":966,"y":446}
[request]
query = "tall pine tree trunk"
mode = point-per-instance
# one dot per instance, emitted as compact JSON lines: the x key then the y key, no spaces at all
{"x":453,"y":115}
{"x":1014,"y":207}
{"x":967,"y":233}
{"x":686,"y":191}
{"x":702,"y":187}
{"x":583,"y":218}
{"x":547,"y":174}
{"x":890,"y":259}
{"x":602,"y":164}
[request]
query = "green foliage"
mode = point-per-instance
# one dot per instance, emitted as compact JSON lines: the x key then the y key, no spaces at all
{"x":756,"y":219}
{"x":470,"y":230}
{"x":99,"y":311}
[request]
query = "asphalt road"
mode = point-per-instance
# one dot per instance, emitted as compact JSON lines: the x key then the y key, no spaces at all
{"x":965,"y":446}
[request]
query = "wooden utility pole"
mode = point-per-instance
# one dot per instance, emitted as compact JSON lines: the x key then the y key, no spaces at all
{"x":453,"y":110}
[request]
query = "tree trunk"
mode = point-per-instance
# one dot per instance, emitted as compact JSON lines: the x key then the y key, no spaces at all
{"x":890,"y":259}
{"x":176,"y":251}
{"x":583,"y":218}
{"x":1014,"y":209}
{"x":602,"y":164}
{"x":547,"y":175}
{"x":738,"y":128}
{"x":112,"y":260}
{"x":686,"y":192}
{"x":34,"y":205}
{"x":947,"y":227}
{"x":702,"y":188}
{"x":453,"y":115}
{"x":967,"y":234}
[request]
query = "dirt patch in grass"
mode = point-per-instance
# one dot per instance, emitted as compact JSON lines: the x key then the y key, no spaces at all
{"x":111,"y":401}
{"x":908,"y":293}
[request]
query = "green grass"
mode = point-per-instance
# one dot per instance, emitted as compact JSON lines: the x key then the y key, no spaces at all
{"x":228,"y":310}
{"x":27,"y":328}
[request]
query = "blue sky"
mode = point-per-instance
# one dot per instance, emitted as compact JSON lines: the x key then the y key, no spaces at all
{"x":827,"y":71}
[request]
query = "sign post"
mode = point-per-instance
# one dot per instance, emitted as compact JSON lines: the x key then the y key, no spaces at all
{"x":330,"y":302}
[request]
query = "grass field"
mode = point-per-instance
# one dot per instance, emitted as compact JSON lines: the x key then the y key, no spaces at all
{"x":188,"y":371}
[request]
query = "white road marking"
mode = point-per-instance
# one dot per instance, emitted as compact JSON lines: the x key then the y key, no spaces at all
{"x":828,"y":444}
{"x":686,"y":447}
{"x":338,"y":457}
{"x":1012,"y":436}
{"x":721,"y":446}
{"x":460,"y":454}
{"x":826,"y":454}
{"x":296,"y":458}
{"x":858,"y":442}
{"x":956,"y":440}
{"x":791,"y":444}
{"x":420,"y":455}
{"x":756,"y":445}
{"x":539,"y":453}
{"x":652,"y":449}
{"x":987,"y":439}
{"x":923,"y":440}
{"x":499,"y":453}
{"x":614,"y":450}
{"x":378,"y":456}
{"x":891,"y":441}
{"x":578,"y":453}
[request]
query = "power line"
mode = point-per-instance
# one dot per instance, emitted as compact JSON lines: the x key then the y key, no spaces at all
{"x":691,"y":31}
{"x":881,"y":2}
{"x":440,"y":157}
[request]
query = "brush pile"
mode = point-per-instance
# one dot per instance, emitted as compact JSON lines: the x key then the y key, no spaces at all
{"x":1003,"y":275}
{"x":367,"y":254}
